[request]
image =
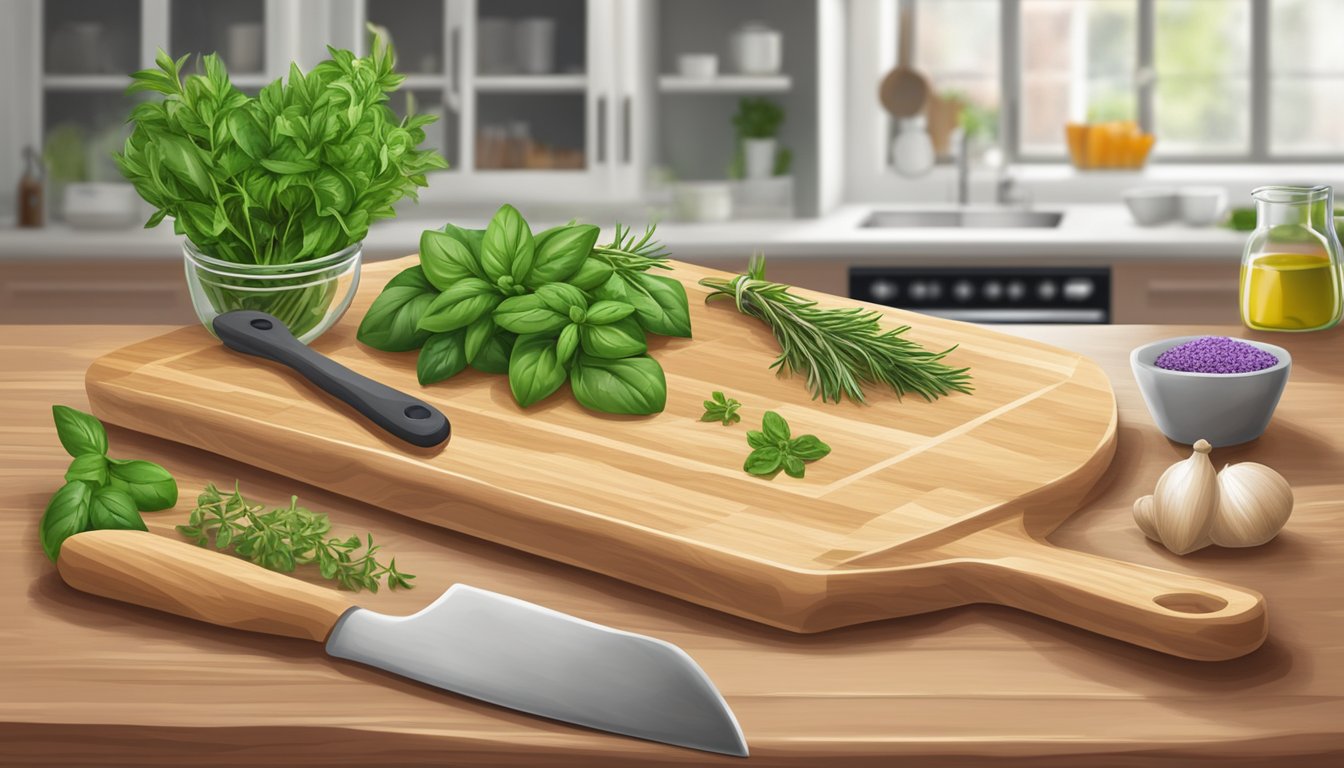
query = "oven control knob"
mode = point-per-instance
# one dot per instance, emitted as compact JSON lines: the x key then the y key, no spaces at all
{"x":993,"y":290}
{"x":883,"y":290}
{"x":963,"y":290}
{"x":935,"y":289}
{"x":1046,"y":290}
{"x":918,"y":290}
{"x":1078,"y":289}
{"x":1016,"y":290}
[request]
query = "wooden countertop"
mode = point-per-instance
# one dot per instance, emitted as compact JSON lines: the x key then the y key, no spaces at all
{"x":90,"y":681}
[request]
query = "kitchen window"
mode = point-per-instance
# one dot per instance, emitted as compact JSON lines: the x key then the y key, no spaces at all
{"x":1216,"y":80}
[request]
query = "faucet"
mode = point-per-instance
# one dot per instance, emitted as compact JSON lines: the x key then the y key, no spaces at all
{"x":963,"y":168}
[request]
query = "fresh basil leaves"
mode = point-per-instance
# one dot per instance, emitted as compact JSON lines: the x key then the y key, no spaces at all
{"x":99,"y":492}
{"x":774,"y":448}
{"x":722,"y":409}
{"x":544,"y":308}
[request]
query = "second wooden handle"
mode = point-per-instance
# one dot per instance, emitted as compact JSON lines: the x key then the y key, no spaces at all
{"x":187,"y":580}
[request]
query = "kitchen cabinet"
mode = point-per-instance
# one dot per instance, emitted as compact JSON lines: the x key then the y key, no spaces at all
{"x":1175,"y":291}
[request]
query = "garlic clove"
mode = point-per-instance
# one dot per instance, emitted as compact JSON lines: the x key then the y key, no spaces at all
{"x":1185,"y":502}
{"x":1143,"y":516}
{"x":1254,"y":503}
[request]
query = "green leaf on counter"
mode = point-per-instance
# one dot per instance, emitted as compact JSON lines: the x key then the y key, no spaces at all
{"x":508,"y":249}
{"x":535,"y":370}
{"x":528,"y":314}
{"x":764,"y":461}
{"x":148,"y":484}
{"x":494,"y":356}
{"x":442,"y":357}
{"x":660,"y":303}
{"x":114,"y":509}
{"x":723,"y":409}
{"x":606,"y":312}
{"x":591,"y":274}
{"x":560,"y":252}
{"x":460,"y":305}
{"x":67,"y":514}
{"x":392,"y":323}
{"x":613,"y":341}
{"x":774,"y":426}
{"x":90,"y":467}
{"x":478,"y":334}
{"x":561,"y":297}
{"x":568,"y":343}
{"x":447,"y":258}
{"x":633,"y":385}
{"x":774,"y":448}
{"x":80,"y":433}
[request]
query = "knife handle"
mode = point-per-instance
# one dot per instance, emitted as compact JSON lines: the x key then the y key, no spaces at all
{"x":409,"y":418}
{"x":180,"y":578}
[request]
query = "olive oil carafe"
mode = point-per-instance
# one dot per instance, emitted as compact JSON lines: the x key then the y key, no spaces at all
{"x":1290,"y":272}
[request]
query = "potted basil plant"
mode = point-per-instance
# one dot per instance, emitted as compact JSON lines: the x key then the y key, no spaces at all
{"x":275,"y":193}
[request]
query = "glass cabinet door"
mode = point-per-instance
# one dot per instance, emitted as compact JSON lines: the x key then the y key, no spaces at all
{"x":419,"y":33}
{"x":235,"y":30}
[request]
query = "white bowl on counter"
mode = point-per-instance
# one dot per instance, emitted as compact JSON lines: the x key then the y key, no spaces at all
{"x":1151,"y":206}
{"x":100,"y":205}
{"x":703,"y":201}
{"x":1202,"y":206}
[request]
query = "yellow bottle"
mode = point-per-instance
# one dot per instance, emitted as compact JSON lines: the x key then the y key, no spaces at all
{"x":1290,"y":272}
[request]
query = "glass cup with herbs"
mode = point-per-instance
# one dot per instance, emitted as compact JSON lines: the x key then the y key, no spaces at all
{"x":275,"y":193}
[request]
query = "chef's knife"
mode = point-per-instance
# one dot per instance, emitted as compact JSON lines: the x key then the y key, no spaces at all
{"x":409,"y":418}
{"x":469,"y":641}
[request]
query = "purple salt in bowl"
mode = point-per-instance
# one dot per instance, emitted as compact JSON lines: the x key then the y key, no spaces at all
{"x":1223,"y":408}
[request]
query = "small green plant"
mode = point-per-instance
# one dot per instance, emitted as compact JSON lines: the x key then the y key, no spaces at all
{"x":100,"y":493}
{"x":757,"y":118}
{"x":721,"y":409}
{"x":774,"y":448}
{"x":287,"y":537}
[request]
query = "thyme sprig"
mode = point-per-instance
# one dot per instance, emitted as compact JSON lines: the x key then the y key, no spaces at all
{"x":627,"y":254}
{"x":287,"y":537}
{"x":839,"y":350}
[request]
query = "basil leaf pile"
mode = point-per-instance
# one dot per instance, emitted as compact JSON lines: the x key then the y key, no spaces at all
{"x":99,"y":493}
{"x":544,"y":309}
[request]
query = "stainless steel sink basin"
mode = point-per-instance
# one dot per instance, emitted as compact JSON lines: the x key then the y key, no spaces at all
{"x":987,"y":219}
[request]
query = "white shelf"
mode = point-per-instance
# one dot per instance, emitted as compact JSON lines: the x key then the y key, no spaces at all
{"x":725,"y":84}
{"x":85,"y":82}
{"x":531,"y":83}
{"x":250,"y":79}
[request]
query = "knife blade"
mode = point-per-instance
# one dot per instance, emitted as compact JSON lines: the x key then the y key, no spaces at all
{"x":470,"y":641}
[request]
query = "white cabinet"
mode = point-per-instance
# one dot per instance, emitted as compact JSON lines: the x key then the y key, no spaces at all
{"x":530,"y":101}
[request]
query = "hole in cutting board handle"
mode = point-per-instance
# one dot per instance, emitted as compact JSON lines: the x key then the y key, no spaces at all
{"x":1191,"y":602}
{"x":416,"y":412}
{"x":261,"y":324}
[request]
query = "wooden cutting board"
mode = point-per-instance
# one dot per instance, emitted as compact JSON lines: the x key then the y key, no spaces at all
{"x":920,"y":506}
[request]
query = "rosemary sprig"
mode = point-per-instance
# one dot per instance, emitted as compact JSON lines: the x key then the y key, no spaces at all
{"x":626,"y":254}
{"x":287,"y":537}
{"x":839,"y":350}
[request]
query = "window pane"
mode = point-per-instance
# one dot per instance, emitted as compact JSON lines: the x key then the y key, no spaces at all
{"x":957,"y":47}
{"x":1306,"y":57}
{"x":1078,"y":63}
{"x":1202,"y":60}
{"x":1304,"y":116}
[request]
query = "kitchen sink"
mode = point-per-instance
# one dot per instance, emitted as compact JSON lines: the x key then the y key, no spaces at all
{"x":986,"y":218}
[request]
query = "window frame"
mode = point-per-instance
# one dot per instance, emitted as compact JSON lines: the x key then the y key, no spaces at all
{"x":1258,"y":151}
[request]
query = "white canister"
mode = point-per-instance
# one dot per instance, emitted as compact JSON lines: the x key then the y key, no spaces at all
{"x":534,"y":44}
{"x":758,"y":49}
{"x":494,"y":46}
{"x":759,"y":157}
{"x":700,"y":66}
{"x":703,"y":201}
{"x":912,"y":150}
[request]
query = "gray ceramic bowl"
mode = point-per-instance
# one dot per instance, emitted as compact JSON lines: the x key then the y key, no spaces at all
{"x":1223,"y":408}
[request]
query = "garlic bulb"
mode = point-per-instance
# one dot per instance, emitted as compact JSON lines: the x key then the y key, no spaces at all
{"x":1143,"y":515}
{"x":1185,"y":502}
{"x":1254,"y":502}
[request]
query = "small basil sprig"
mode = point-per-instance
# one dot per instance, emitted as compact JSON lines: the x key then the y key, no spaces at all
{"x":722,"y":409}
{"x":99,"y":493}
{"x":775,"y":448}
{"x":545,"y":309}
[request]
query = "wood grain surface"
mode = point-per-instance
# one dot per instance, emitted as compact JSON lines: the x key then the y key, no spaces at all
{"x":91,"y":681}
{"x":662,"y":501}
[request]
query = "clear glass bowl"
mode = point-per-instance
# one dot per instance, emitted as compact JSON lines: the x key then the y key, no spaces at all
{"x":307,"y":296}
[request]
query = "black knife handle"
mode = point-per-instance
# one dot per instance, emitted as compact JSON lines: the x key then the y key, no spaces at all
{"x":257,"y":333}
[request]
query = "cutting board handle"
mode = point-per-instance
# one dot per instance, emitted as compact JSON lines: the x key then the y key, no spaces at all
{"x":1180,"y":614}
{"x":180,"y":578}
{"x":409,"y":418}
